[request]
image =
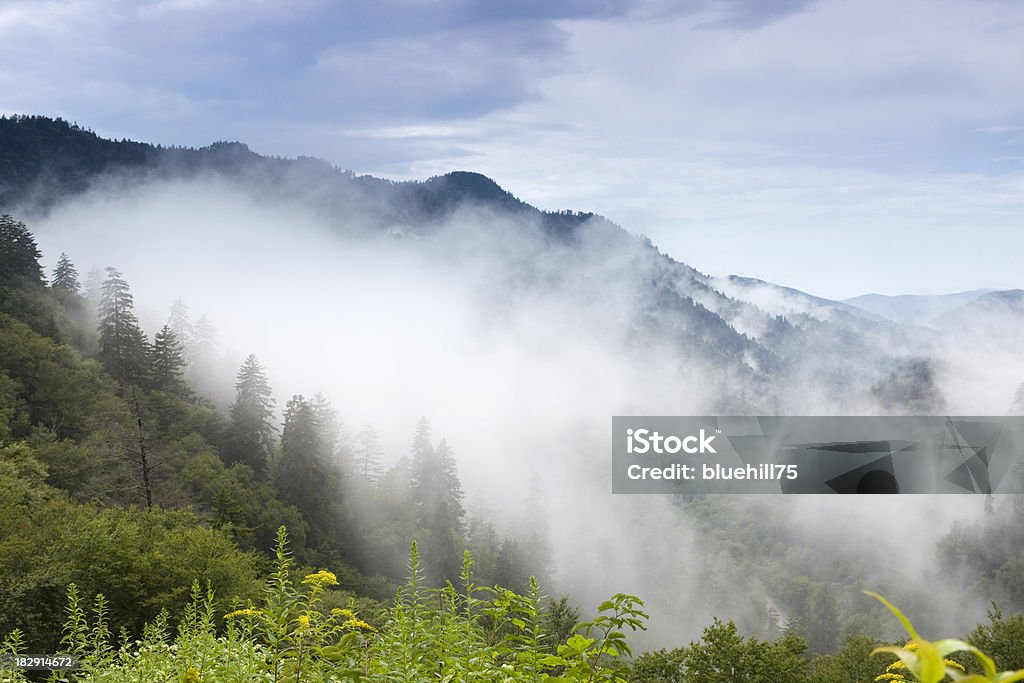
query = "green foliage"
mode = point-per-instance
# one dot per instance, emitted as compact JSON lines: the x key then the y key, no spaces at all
{"x":465,"y":634}
{"x":437,"y":503}
{"x":251,"y":440}
{"x":167,"y":362}
{"x":723,"y":655}
{"x":1002,"y":638}
{"x":140,"y":560}
{"x":851,"y":664}
{"x":48,"y":382}
{"x":306,"y":476}
{"x":235,"y":500}
{"x":19,"y":254}
{"x":123,"y":347}
{"x":927,"y":661}
{"x":65,"y":275}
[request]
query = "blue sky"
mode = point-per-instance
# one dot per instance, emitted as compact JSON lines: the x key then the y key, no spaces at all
{"x":836,"y":146}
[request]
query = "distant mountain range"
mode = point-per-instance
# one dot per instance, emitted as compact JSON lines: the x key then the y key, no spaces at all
{"x":912,"y":309}
{"x":763,"y":334}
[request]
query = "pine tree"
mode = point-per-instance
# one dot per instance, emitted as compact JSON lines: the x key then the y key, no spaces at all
{"x":122,"y":345}
{"x":252,"y":430}
{"x":823,"y":632}
{"x":94,"y":286}
{"x":534,"y":541}
{"x":304,"y":477}
{"x":437,"y":500}
{"x":336,"y":449}
{"x":179,"y":323}
{"x":19,"y":254}
{"x":167,"y":363}
{"x":204,"y":342}
{"x":482,"y":540}
{"x":65,"y":276}
{"x":367,"y":457}
{"x":203,"y":361}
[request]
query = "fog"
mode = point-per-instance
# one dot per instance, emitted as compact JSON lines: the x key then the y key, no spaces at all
{"x":519,"y":350}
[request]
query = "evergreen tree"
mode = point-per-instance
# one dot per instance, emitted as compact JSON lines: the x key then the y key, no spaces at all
{"x":65,"y":276}
{"x":823,"y":634}
{"x":252,"y":430}
{"x":205,"y":371}
{"x":482,"y":540}
{"x":19,"y":254}
{"x":534,"y":540}
{"x":179,"y":323}
{"x":437,"y":500}
{"x":336,"y":449}
{"x":122,"y":345}
{"x":167,"y":363}
{"x":203,"y":343}
{"x":304,"y":477}
{"x":367,"y":466}
{"x":94,"y":286}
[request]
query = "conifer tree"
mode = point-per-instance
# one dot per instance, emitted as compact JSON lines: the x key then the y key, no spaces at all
{"x":533,"y":535}
{"x":367,"y":457}
{"x":304,"y":477}
{"x":252,"y":430}
{"x":65,"y":276}
{"x":437,"y":500}
{"x":335,"y":447}
{"x":19,"y":254}
{"x":122,"y":344}
{"x":179,"y":323}
{"x":94,"y":286}
{"x":167,"y":362}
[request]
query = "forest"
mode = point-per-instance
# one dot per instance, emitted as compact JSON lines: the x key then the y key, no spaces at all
{"x":157,"y":537}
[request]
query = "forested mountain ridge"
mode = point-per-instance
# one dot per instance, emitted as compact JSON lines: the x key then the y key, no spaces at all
{"x":44,"y":162}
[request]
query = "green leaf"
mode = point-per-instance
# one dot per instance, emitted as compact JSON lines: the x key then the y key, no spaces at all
{"x":933,"y":669}
{"x":899,"y":615}
{"x":579,"y":643}
{"x":1010,"y":676}
{"x":950,"y":645}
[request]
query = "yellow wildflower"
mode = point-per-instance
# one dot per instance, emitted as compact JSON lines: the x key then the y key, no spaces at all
{"x":343,"y":613}
{"x":889,"y":676}
{"x":192,"y":675}
{"x":359,"y":623}
{"x":321,"y":578}
{"x":303,"y":621}
{"x":247,"y":612}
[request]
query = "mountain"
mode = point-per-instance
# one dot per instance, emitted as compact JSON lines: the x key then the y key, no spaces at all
{"x":995,"y":317}
{"x":779,"y":300}
{"x":758,"y":339}
{"x":913,"y":309}
{"x":45,"y":161}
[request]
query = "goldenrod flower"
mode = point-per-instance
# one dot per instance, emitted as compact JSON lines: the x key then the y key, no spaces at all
{"x":192,"y":675}
{"x":359,"y":623}
{"x":303,"y":621}
{"x":247,"y":612}
{"x":343,"y":613}
{"x":888,"y":676}
{"x":321,"y":578}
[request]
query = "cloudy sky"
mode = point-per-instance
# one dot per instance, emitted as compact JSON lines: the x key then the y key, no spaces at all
{"x":838,"y":146}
